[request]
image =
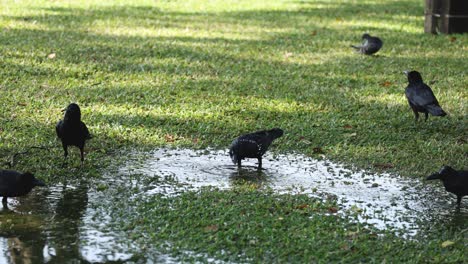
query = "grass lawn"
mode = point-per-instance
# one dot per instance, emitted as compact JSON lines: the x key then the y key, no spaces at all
{"x":199,"y":73}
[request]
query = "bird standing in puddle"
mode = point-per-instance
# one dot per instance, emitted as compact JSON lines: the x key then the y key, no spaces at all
{"x":253,"y":145}
{"x":454,"y":181}
{"x":14,"y":184}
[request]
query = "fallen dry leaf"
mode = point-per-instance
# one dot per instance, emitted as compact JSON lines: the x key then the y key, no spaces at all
{"x":333,"y":210}
{"x":22,"y":104}
{"x":452,"y":39}
{"x":302,"y":206}
{"x":314,"y":33}
{"x":348,"y":126}
{"x":169,"y":138}
{"x":318,"y":150}
{"x":51,"y":56}
{"x":211,"y":228}
{"x":447,"y":243}
{"x":386,"y":84}
{"x":356,"y":209}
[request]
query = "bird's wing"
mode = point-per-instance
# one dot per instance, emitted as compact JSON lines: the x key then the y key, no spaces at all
{"x":7,"y":180}
{"x":421,"y":95}
{"x":85,"y":131}
{"x":365,"y":43}
{"x":58,"y":128}
{"x":373,"y":45}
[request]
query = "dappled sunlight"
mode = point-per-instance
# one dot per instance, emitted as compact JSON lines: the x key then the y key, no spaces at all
{"x":379,"y":26}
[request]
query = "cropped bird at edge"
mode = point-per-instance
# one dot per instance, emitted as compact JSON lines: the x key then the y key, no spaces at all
{"x":420,"y":97}
{"x":369,"y":46}
{"x":454,"y":181}
{"x":72,"y":131}
{"x":14,"y":184}
{"x":253,"y":145}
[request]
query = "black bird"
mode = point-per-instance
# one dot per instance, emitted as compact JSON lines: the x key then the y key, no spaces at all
{"x":72,"y":131}
{"x":454,"y":181}
{"x":253,"y":145}
{"x":370,"y":45}
{"x":13,"y":184}
{"x":420,"y":97}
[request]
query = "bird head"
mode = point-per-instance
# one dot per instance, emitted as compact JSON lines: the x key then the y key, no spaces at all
{"x":72,"y":112}
{"x":445,"y":172}
{"x":276,"y":132}
{"x":413,"y":76}
{"x":365,"y":36}
{"x":29,"y":177}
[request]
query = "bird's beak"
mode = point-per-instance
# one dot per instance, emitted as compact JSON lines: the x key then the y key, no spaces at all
{"x":38,"y":183}
{"x":434,"y":176}
{"x":63,"y":110}
{"x":406,"y":72}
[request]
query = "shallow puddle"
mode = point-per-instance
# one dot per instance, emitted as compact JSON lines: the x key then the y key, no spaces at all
{"x":57,"y":224}
{"x":82,"y":223}
{"x":383,"y":201}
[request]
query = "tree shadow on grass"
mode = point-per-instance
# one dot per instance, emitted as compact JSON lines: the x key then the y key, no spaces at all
{"x":241,"y":80}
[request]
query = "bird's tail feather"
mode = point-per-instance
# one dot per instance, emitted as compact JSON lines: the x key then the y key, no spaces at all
{"x":435,"y":110}
{"x":356,"y":47}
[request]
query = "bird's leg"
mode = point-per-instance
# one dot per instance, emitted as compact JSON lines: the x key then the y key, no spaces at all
{"x":239,"y":163}
{"x":259,"y":163}
{"x":65,"y":150}
{"x":82,"y":156}
{"x":426,"y":115}
{"x":416,"y":116}
{"x":65,"y":154}
{"x":4,"y":201}
{"x":459,"y":200}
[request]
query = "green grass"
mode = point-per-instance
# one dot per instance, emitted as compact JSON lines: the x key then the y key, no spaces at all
{"x":205,"y":72}
{"x":264,"y":227}
{"x":199,"y":73}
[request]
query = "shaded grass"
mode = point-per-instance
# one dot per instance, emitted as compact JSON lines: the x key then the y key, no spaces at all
{"x":205,"y":72}
{"x":199,"y":73}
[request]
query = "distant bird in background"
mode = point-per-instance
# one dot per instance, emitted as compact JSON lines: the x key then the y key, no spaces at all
{"x":370,"y":45}
{"x":253,"y":145}
{"x":454,"y":181}
{"x":420,"y":97}
{"x":14,"y":184}
{"x":72,"y":131}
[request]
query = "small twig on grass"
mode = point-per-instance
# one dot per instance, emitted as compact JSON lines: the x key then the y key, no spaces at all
{"x":11,"y":163}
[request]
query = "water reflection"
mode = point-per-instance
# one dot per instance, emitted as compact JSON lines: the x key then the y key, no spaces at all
{"x":53,"y":225}
{"x":383,"y":201}
{"x":81,"y":223}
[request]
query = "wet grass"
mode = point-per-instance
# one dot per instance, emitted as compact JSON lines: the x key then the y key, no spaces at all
{"x":197,"y":74}
{"x":247,"y":225}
